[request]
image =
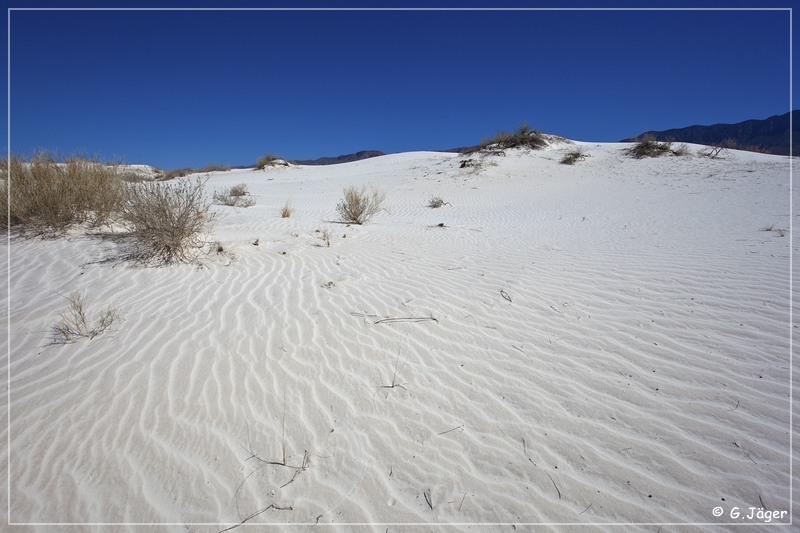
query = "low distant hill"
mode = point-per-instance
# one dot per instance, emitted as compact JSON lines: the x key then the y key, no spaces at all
{"x":358,"y":156}
{"x":770,"y":135}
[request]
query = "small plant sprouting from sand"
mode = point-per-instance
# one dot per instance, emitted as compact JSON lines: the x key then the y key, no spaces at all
{"x":394,"y":383}
{"x":219,"y":250}
{"x":359,"y":205}
{"x":287,"y":210}
{"x":326,"y":235}
{"x":75,"y":325}
{"x":772,"y":228}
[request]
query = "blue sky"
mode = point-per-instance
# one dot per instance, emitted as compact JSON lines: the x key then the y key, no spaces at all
{"x":187,"y":88}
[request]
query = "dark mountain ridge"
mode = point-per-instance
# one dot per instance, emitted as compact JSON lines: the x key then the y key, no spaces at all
{"x":770,"y":135}
{"x":347,"y":158}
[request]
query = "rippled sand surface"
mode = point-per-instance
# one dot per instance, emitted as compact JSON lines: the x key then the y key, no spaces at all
{"x":605,"y":343}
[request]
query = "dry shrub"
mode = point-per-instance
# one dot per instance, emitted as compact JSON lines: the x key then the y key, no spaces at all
{"x":437,"y":202}
{"x":523,"y":137}
{"x":236,"y":196}
{"x":238,"y":190}
{"x":48,"y":194}
{"x":648,"y":146}
{"x":570,"y":158}
{"x":168,"y":222}
{"x":269,"y":160}
{"x":359,"y":206}
{"x":74,"y":324}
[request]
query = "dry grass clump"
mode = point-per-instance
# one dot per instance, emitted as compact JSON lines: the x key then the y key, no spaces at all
{"x":359,"y":205}
{"x":523,"y":137}
{"x":48,"y":194}
{"x":168,"y":222}
{"x":648,"y":146}
{"x":287,"y":210}
{"x":74,"y":324}
{"x":236,"y":196}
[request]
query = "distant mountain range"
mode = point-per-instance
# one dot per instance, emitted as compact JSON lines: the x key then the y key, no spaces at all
{"x":770,"y":135}
{"x":358,"y":156}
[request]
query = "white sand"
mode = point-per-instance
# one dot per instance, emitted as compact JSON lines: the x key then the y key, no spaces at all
{"x":610,"y":345}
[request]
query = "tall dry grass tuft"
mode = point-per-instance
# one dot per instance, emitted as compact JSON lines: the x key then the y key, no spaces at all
{"x":169,"y":222}
{"x":287,"y":210}
{"x":48,"y":194}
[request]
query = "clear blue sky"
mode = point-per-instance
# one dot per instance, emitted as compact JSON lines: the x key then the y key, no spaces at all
{"x":186,"y":88}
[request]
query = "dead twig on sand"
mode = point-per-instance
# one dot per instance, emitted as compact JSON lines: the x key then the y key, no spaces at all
{"x":297,"y":469}
{"x":391,"y":320}
{"x":525,"y":452}
{"x":427,"y":495}
{"x":554,"y":484}
{"x":406,"y":319}
{"x":255,"y":514}
{"x":744,"y":452}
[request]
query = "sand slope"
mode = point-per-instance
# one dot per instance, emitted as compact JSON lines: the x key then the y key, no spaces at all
{"x":592,"y":344}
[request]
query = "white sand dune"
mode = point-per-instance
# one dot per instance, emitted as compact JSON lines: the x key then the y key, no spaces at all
{"x":605,"y":343}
